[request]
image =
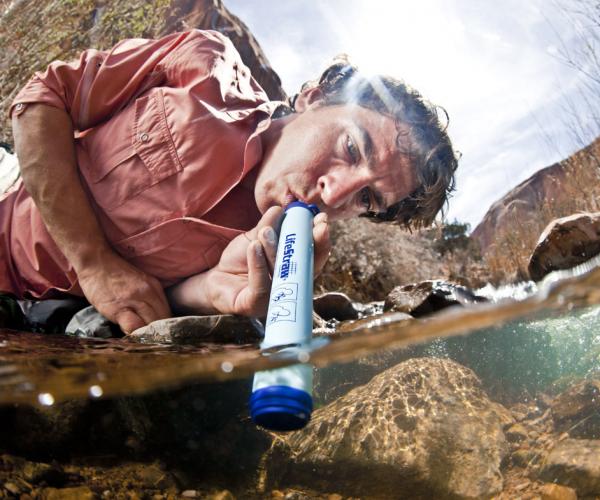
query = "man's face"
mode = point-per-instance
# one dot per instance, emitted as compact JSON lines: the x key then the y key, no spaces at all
{"x":343,"y":158}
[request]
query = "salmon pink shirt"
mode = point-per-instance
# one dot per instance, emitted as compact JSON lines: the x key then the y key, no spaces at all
{"x":165,"y":131}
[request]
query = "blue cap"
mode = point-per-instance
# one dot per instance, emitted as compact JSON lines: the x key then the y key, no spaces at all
{"x":313,"y":208}
{"x":280,"y":408}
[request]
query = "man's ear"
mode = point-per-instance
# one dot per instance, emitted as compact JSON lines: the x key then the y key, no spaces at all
{"x":307,"y":97}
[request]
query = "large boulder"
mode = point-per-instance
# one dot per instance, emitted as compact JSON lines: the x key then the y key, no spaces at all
{"x":574,"y":463}
{"x":577,"y":410}
{"x":424,"y":428}
{"x":32,"y":35}
{"x":566,"y":242}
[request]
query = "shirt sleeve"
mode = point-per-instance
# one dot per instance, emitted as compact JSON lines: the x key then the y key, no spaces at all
{"x":101,"y":83}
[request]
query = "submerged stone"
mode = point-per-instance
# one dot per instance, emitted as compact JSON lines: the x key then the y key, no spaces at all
{"x":424,"y":427}
{"x":577,"y":410}
{"x":574,"y":463}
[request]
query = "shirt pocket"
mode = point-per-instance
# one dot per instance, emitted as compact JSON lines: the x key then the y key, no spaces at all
{"x":129,"y":153}
{"x":177,"y":248}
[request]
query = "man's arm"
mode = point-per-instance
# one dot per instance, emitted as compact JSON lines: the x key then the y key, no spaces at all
{"x":241,"y":282}
{"x":45,"y":147}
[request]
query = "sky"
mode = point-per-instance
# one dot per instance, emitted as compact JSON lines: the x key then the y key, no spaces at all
{"x":498,"y":69}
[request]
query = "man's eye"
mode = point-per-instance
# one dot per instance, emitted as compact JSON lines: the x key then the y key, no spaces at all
{"x":352,"y":149}
{"x":365,"y":198}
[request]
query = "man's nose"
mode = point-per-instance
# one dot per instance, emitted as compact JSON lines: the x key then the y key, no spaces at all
{"x":339,"y":188}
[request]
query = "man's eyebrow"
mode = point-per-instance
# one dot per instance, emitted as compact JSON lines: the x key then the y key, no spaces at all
{"x":367,"y":142}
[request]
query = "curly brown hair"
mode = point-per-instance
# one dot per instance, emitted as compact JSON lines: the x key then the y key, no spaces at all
{"x":421,"y":136}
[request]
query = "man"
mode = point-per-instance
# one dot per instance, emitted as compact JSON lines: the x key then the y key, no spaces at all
{"x":162,"y":164}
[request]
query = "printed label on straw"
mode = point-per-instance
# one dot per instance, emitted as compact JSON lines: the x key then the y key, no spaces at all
{"x":283,"y":303}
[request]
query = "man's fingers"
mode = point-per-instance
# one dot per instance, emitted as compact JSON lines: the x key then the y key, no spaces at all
{"x":272,"y":217}
{"x":268,"y":238}
{"x":160,"y":302}
{"x":259,"y":283}
{"x":322,"y":242}
{"x":128,"y":320}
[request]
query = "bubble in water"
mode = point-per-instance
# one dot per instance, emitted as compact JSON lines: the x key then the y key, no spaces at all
{"x":96,"y":391}
{"x":46,"y":399}
{"x":303,"y":357}
{"x":227,"y":367}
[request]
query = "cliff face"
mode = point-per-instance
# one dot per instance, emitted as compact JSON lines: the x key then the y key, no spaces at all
{"x":554,"y":191}
{"x":34,"y":33}
{"x":520,"y":203}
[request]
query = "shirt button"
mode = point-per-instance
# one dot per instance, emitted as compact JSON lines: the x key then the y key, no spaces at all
{"x":144,"y":137}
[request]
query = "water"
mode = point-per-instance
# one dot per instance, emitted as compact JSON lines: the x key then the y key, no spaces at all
{"x":521,"y":350}
{"x":65,"y":367}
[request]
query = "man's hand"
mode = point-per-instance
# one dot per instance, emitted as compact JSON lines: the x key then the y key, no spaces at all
{"x":241,"y":281}
{"x":122,"y":293}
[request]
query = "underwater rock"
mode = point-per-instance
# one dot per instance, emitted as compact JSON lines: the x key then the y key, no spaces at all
{"x":577,"y":410}
{"x":566,"y":242}
{"x":77,"y":493}
{"x":334,"y":305}
{"x":557,"y":492}
{"x":195,"y":330}
{"x":574,"y":463}
{"x":428,"y":296}
{"x":424,"y":427}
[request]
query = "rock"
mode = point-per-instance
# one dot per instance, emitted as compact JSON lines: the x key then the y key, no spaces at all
{"x":424,"y":426}
{"x":574,"y":463}
{"x":426,"y":297}
{"x":516,"y":432}
{"x":78,"y":493}
{"x":525,"y":457}
{"x":50,"y":474}
{"x":221,"y":495}
{"x":196,"y":330}
{"x":94,"y":24}
{"x":334,"y":305}
{"x":565,"y":243}
{"x":577,"y":410}
{"x":154,"y":477}
{"x":519,"y":204}
{"x":557,"y":492}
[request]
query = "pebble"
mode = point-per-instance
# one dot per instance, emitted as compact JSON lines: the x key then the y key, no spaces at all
{"x":12,"y":488}
{"x":550,"y":491}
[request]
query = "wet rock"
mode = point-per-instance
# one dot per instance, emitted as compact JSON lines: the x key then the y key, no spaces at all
{"x":49,"y":474}
{"x":334,"y":305}
{"x":78,"y":493}
{"x":525,"y":457}
{"x":574,"y":463}
{"x":566,"y":242}
{"x":419,"y":299}
{"x":577,"y":410}
{"x":516,"y":432}
{"x":557,"y":492}
{"x":194,"y":330}
{"x":154,"y":477}
{"x":424,"y":427}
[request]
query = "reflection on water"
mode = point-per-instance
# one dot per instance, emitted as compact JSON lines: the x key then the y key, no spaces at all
{"x":43,"y":369}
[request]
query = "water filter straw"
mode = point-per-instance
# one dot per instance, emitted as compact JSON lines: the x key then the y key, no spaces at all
{"x":282,"y":398}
